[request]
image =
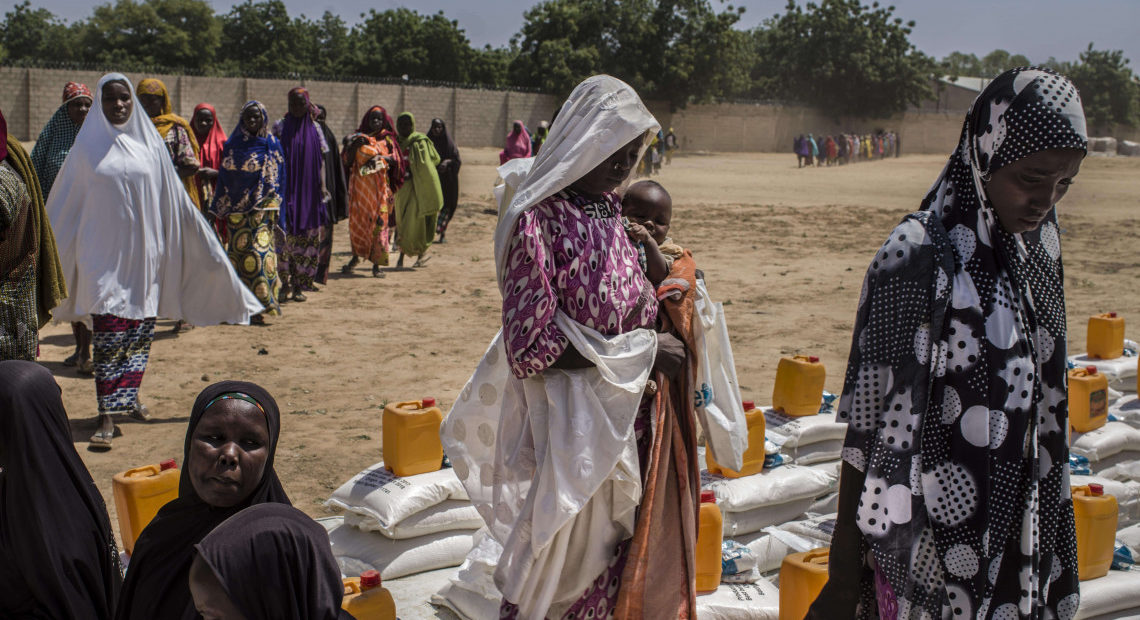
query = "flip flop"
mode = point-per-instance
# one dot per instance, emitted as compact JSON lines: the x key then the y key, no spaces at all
{"x":421,"y":261}
{"x":101,"y":440}
{"x":139,"y":411}
{"x":86,"y":368}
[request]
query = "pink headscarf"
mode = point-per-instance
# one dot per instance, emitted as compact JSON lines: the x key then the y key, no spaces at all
{"x":518,"y":144}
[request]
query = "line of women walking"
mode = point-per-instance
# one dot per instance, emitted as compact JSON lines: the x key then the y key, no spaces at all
{"x":837,"y":149}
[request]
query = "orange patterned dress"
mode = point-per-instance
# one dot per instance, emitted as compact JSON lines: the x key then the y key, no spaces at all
{"x":370,"y":200}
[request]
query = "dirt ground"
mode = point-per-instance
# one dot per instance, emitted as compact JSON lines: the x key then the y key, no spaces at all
{"x":784,"y":248}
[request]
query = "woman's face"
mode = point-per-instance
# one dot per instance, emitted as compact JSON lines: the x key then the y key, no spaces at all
{"x":375,"y":121}
{"x":251,"y":120}
{"x":228,"y":451}
{"x":77,"y":109}
{"x":436,"y":129}
{"x":611,"y":173}
{"x":152,"y":104}
{"x":203,"y":122}
{"x":1024,"y":192}
{"x":298,"y":107}
{"x":117,"y":102}
{"x":404,"y":126}
{"x":210,"y":598}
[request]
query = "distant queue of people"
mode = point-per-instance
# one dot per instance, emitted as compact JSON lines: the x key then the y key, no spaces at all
{"x":839,"y":149}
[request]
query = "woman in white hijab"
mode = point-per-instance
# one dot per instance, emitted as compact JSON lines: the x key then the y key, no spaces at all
{"x":546,"y":434}
{"x":133,"y":247}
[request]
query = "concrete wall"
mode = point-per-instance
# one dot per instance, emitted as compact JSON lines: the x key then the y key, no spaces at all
{"x":28,"y":98}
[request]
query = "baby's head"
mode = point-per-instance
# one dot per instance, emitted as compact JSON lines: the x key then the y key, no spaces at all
{"x":648,"y":204}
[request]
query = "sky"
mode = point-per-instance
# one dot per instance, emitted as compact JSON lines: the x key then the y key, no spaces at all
{"x":1036,"y":28}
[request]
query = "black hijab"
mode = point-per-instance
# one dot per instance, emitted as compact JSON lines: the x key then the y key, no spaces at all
{"x":275,"y":563}
{"x":444,"y":145}
{"x":157,"y":584}
{"x":57,"y":553}
{"x":335,"y":181}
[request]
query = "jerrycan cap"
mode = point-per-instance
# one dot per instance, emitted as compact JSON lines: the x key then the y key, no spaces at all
{"x":1112,"y":315}
{"x":428,"y":402}
{"x":748,"y":405}
{"x":370,"y":579}
{"x":1090,"y":370}
{"x":813,"y":359}
{"x":167,"y":464}
{"x":1096,"y":489}
{"x":708,"y":497}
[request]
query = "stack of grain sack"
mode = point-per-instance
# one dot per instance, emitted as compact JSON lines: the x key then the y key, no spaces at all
{"x":401,"y":525}
{"x":1104,"y":445}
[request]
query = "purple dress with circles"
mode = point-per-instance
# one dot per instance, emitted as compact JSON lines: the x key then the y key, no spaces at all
{"x":570,"y":252}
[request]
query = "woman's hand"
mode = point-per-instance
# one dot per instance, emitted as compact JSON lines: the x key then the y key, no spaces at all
{"x":208,"y":174}
{"x":670,"y":355}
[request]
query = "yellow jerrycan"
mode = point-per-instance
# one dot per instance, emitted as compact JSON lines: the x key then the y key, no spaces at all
{"x":1106,"y":336}
{"x":1095,"y":514}
{"x":799,"y":385}
{"x":710,"y":535}
{"x":802,"y":577}
{"x":753,"y":455}
{"x":1088,"y":399}
{"x":139,"y":493}
{"x":410,"y":437}
{"x":366,"y":599}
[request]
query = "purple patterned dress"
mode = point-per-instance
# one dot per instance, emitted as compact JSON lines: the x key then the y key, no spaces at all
{"x":571,"y":253}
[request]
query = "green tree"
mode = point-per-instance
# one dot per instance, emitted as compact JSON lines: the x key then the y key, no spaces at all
{"x":1110,"y":92}
{"x":35,"y":34}
{"x":401,"y":41}
{"x":168,"y":33}
{"x":490,"y":66}
{"x":679,"y":50}
{"x":846,"y":58}
{"x":260,"y":37}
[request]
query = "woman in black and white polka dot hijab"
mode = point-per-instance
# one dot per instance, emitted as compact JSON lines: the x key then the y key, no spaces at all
{"x":955,"y":471}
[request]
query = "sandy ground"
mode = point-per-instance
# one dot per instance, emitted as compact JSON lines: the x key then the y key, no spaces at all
{"x":785,"y":249}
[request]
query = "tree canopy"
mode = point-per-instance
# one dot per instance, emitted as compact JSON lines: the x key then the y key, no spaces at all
{"x":842,"y":56}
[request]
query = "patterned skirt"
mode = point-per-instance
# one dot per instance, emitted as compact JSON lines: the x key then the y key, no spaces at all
{"x":121,"y":348}
{"x":303,"y":252}
{"x":251,"y":250}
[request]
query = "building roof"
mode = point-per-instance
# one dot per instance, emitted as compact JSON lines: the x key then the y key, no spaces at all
{"x":975,"y":84}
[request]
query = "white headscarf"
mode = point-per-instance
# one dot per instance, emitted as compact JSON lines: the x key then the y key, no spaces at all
{"x":602,"y":115}
{"x":131,"y":242}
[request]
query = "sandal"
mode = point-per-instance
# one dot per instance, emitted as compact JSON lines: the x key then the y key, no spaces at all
{"x":86,"y":368}
{"x":101,"y":440}
{"x":139,"y":411}
{"x":299,"y":296}
{"x":421,"y":261}
{"x":71,"y":360}
{"x":376,"y":273}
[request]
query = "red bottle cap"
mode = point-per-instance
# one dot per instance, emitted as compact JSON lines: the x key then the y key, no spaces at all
{"x":749,"y":405}
{"x":1096,"y":489}
{"x":813,"y":359}
{"x":1091,"y":370}
{"x":428,"y":402}
{"x":1112,"y":315}
{"x":708,"y":497}
{"x":370,"y":579}
{"x":167,"y":464}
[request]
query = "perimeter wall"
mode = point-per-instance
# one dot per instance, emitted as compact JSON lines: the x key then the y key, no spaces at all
{"x":475,"y":117}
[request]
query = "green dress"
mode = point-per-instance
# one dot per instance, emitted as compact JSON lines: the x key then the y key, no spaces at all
{"x":419,"y":200}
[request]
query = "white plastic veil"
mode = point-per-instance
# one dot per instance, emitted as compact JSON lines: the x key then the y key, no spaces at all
{"x":602,"y":115}
{"x":131,"y":242}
